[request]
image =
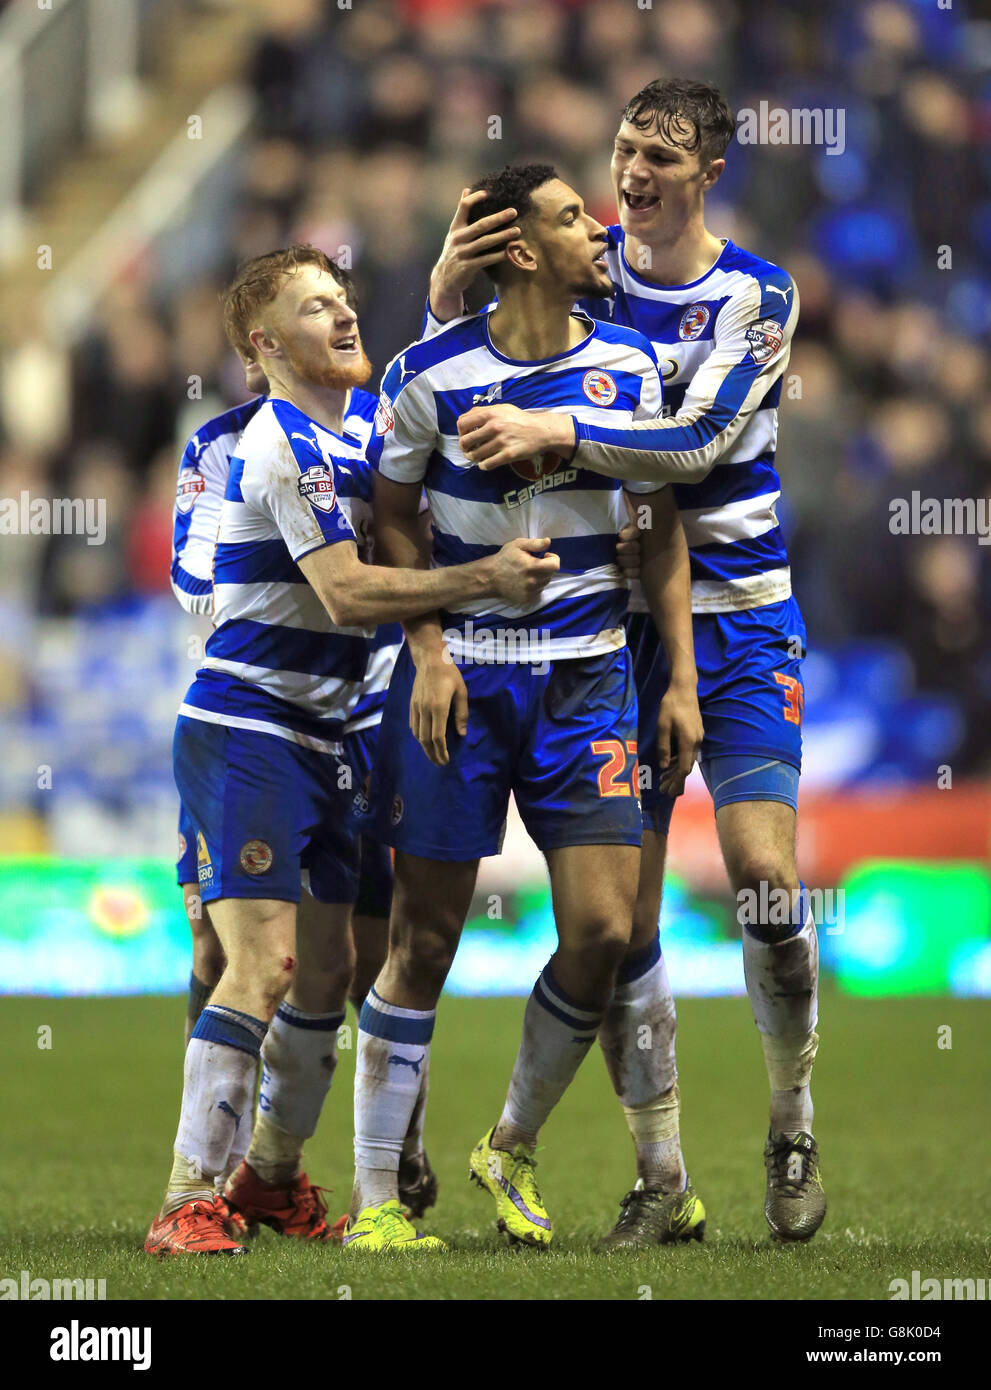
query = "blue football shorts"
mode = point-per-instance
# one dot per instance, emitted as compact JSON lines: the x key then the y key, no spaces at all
{"x":561,"y":738}
{"x":261,"y":810}
{"x":751,"y":698}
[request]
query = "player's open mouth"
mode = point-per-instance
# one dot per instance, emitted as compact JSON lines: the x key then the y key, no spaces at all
{"x":346,"y":344}
{"x":600,"y":260}
{"x":639,"y":202}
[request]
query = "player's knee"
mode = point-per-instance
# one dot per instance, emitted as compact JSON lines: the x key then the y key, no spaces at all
{"x":264,"y":974}
{"x":424,"y":955}
{"x":764,"y":871}
{"x":277,"y":972}
{"x":600,"y":944}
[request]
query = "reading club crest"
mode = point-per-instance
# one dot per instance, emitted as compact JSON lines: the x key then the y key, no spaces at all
{"x":316,"y":485}
{"x":599,"y":387}
{"x":693,"y":322}
{"x":256,"y":857}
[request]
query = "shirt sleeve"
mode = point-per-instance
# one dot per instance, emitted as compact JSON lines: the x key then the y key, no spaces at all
{"x":752,"y":345}
{"x":408,"y":428}
{"x":431,"y":324}
{"x":296,"y":486}
{"x":200,"y":491}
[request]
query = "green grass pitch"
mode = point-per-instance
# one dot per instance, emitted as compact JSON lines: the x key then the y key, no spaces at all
{"x":904,"y":1129}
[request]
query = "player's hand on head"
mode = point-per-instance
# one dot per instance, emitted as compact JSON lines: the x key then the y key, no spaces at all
{"x":628,"y":551}
{"x":521,"y":569}
{"x":493,"y":435}
{"x":469,"y":248}
{"x":439,"y":694}
{"x":679,"y":737}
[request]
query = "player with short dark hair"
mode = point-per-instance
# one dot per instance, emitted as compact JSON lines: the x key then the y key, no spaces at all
{"x":721,"y":321}
{"x":541,"y":694}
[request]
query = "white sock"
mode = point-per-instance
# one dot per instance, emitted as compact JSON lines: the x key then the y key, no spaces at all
{"x":789,"y":1070}
{"x":413,"y":1143}
{"x":392,"y":1060}
{"x":243,"y":1136}
{"x":221,"y":1058}
{"x":637,"y":1037}
{"x":557,"y":1034}
{"x":783,"y":981}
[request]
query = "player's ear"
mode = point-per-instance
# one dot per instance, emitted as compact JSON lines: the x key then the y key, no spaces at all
{"x":519,"y":255}
{"x":263,"y":342}
{"x":711,"y":174}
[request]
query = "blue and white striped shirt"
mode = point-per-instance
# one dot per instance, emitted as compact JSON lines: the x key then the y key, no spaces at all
{"x":200,"y":487}
{"x":722,"y":343}
{"x":276,"y":662}
{"x":200,"y":492}
{"x":425,"y":389}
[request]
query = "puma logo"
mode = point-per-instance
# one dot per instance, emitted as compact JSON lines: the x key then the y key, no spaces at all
{"x":773,"y":289}
{"x":396,"y":1061}
{"x":228,"y":1109}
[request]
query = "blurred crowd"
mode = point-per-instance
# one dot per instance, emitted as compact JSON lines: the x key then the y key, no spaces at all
{"x":368,"y":122}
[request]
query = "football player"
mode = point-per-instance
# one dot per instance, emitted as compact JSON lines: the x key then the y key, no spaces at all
{"x":721,"y":320}
{"x":541,"y":693}
{"x":258,"y":748}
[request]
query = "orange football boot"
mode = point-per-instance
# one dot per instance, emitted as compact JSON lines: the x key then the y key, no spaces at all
{"x":198,"y":1227}
{"x":298,"y":1210}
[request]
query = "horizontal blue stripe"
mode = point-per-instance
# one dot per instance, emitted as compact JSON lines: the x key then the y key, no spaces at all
{"x":221,"y":693}
{"x":187,"y":582}
{"x":730,"y":482}
{"x":580,"y":615}
{"x":577,"y":1025}
{"x":636,"y":965}
{"x":320,"y":1023}
{"x":255,"y":562}
{"x":736,"y":559}
{"x":290,"y":649}
{"x":220,"y":1028}
{"x":682,"y":438}
{"x":393,"y":1027}
{"x":492,"y":485}
{"x":552,"y":983}
{"x":537,"y":391}
{"x":660,"y":319}
{"x":577,"y":553}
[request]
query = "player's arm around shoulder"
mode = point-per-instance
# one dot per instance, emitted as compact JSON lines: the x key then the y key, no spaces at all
{"x":752,"y":343}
